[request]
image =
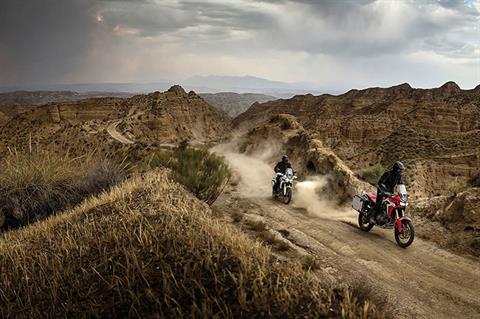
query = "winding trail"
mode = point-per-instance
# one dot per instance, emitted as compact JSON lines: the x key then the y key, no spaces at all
{"x":112,"y":130}
{"x":422,"y":281}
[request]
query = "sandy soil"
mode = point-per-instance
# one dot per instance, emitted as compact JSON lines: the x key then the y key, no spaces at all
{"x":422,"y":281}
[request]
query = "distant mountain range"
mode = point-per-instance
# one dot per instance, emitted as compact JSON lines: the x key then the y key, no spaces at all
{"x":251,"y":84}
{"x":44,"y":97}
{"x":199,"y":84}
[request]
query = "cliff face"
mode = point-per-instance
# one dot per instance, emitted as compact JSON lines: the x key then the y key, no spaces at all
{"x":435,"y":131}
{"x":156,"y":118}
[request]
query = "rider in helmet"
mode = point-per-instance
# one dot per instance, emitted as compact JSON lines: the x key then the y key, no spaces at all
{"x":281,"y":167}
{"x":386,"y":186}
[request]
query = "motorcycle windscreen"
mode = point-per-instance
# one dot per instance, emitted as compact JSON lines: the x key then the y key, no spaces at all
{"x":402,"y":189}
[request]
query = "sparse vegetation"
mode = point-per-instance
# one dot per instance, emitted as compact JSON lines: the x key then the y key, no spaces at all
{"x":309,"y":262}
{"x":372,"y":173}
{"x":237,"y":217}
{"x":33,"y":186}
{"x":282,"y":246}
{"x":256,"y":225}
{"x":456,"y":188}
{"x":202,"y":173}
{"x":268,"y":237}
{"x":148,"y":249}
{"x":475,"y":180}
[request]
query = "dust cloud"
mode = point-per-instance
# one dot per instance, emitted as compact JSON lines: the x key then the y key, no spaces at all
{"x":309,"y":196}
{"x":256,"y":173}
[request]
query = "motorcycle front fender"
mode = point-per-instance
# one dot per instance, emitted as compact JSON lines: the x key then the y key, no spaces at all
{"x":400,"y":221}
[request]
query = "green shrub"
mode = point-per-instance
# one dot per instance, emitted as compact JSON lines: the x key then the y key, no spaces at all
{"x":33,"y":186}
{"x":202,"y":173}
{"x":372,"y":174}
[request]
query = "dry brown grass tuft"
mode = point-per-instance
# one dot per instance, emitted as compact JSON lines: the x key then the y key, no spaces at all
{"x":237,"y":216}
{"x":309,"y":262}
{"x":256,"y":225}
{"x":149,"y":249}
{"x":33,"y":186}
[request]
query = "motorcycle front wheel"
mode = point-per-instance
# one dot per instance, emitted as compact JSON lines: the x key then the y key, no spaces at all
{"x":288,"y":196}
{"x":364,"y":223}
{"x":405,"y":238}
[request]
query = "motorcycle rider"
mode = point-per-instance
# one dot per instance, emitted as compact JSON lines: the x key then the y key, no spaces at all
{"x":281,"y":167}
{"x":386,"y":186}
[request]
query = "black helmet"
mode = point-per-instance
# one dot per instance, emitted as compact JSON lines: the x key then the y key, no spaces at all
{"x":398,"y":166}
{"x":284,"y":158}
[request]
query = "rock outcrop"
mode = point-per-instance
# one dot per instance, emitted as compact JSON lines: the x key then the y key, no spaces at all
{"x":79,"y":126}
{"x":451,"y":221}
{"x":435,"y":131}
{"x":283,"y":134}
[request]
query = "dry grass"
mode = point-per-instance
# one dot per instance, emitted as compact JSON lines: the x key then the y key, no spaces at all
{"x":474,"y":181}
{"x":237,"y":216}
{"x":309,"y":262}
{"x":33,"y":186}
{"x":256,"y":225}
{"x":148,"y":249}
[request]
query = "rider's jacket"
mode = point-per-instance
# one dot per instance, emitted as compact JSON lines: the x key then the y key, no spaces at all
{"x":281,"y":167}
{"x":389,"y":180}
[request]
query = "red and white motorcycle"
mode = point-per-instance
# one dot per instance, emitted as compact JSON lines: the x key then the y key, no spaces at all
{"x":394,"y":216}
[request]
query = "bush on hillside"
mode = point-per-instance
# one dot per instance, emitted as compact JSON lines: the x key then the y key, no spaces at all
{"x":372,"y":174}
{"x":202,"y":173}
{"x":475,"y":180}
{"x":33,"y":186}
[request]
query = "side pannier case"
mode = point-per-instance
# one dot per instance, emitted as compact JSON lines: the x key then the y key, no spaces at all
{"x":357,"y":203}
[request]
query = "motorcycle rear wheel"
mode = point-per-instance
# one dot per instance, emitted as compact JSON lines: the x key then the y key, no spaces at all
{"x":405,"y":238}
{"x":363,"y":223}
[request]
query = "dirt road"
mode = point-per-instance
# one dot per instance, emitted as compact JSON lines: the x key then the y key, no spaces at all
{"x":421,"y":281}
{"x":112,"y":130}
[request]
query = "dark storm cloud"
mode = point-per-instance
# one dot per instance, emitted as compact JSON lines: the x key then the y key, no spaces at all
{"x":52,"y":40}
{"x":151,"y":18}
{"x":463,"y":6}
{"x":344,"y":28}
{"x":43,"y":40}
{"x":147,"y":18}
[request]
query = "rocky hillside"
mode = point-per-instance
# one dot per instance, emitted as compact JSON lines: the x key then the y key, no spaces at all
{"x":435,"y":131}
{"x":451,"y":221}
{"x":106,"y":124}
{"x":234,"y":103}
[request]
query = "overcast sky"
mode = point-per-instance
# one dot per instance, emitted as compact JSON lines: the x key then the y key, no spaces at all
{"x":334,"y":44}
